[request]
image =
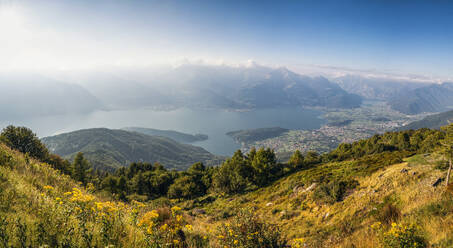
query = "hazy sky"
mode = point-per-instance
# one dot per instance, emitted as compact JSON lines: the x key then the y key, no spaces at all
{"x":392,"y":36}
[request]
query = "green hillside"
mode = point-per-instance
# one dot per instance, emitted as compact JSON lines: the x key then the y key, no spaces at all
{"x":109,"y":149}
{"x":174,"y":135}
{"x":432,"y":121}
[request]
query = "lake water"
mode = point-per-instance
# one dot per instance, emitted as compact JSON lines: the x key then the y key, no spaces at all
{"x":214,"y":123}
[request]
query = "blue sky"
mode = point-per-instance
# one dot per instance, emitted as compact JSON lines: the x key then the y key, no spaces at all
{"x":408,"y":37}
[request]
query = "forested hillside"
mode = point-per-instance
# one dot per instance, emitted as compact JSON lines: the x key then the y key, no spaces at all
{"x":108,"y":149}
{"x":174,"y":135}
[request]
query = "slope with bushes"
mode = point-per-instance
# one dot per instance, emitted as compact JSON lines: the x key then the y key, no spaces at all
{"x":385,"y":191}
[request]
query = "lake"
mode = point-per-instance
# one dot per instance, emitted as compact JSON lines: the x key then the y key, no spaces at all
{"x":214,"y":123}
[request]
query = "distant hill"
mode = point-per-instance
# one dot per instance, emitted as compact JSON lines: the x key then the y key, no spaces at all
{"x":109,"y":149}
{"x":431,"y":98}
{"x":252,"y":135}
{"x":174,"y":135}
{"x":433,"y":121}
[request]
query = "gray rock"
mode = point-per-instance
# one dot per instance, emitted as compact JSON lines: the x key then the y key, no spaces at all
{"x":198,"y":211}
{"x":311,"y":187}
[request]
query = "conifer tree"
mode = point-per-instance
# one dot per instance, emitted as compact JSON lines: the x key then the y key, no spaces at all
{"x":81,"y":169}
{"x":296,"y":160}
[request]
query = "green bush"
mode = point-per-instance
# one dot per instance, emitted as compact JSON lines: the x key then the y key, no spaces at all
{"x":247,"y":230}
{"x":388,"y":214}
{"x":334,"y":191}
{"x":400,"y":236}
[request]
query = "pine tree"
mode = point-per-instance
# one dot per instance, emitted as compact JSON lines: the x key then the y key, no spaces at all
{"x":296,"y":160}
{"x":81,"y":169}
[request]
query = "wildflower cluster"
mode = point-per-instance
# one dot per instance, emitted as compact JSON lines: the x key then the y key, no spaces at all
{"x":165,"y":227}
{"x":246,"y":230}
{"x":399,"y":236}
{"x":298,"y":243}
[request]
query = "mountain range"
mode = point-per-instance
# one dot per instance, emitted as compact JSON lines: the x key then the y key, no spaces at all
{"x":406,"y":96}
{"x":212,"y":86}
{"x":26,"y":95}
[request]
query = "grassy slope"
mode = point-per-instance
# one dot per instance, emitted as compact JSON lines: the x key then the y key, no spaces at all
{"x":24,"y":198}
{"x":347,"y":223}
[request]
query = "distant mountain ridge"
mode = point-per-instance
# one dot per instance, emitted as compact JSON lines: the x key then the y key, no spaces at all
{"x":431,"y":98}
{"x":108,"y":149}
{"x":174,"y":135}
{"x":432,"y":121}
{"x":406,"y":96}
{"x":376,"y":88}
{"x":30,"y":95}
{"x":212,"y":86}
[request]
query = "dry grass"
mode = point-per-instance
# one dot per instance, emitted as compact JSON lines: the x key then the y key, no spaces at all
{"x":347,"y":223}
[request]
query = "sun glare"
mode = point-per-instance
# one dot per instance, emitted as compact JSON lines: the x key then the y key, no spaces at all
{"x":11,"y":21}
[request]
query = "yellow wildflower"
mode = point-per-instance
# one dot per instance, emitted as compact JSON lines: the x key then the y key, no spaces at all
{"x":148,"y":217}
{"x":48,"y":187}
{"x":149,"y":230}
{"x":189,"y":227}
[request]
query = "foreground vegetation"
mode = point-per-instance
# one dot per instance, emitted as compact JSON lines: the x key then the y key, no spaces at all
{"x":384,"y":191}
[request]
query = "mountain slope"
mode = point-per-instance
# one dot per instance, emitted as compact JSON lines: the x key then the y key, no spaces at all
{"x":432,"y":98}
{"x":174,"y":135}
{"x":109,"y":149}
{"x":432,"y":121}
{"x":376,"y":88}
{"x":31,"y":95}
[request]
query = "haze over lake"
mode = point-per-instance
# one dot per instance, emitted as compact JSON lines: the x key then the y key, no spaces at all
{"x":214,"y":123}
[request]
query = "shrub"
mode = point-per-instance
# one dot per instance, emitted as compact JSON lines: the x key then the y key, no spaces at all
{"x":334,"y":191}
{"x":247,"y":230}
{"x":388,"y":214}
{"x":441,"y":165}
{"x":399,"y":236}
